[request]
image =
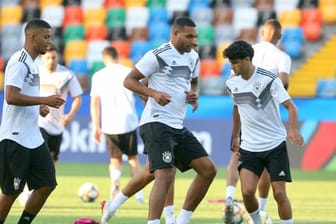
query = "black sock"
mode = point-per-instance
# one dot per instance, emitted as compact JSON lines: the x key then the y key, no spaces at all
{"x":26,"y":218}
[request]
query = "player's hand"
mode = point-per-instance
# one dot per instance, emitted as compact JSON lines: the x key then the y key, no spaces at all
{"x":66,"y":120}
{"x":97,"y":135}
{"x":55,"y":101}
{"x":44,"y":110}
{"x":295,"y":137}
{"x":192,"y":98}
{"x":162,"y":98}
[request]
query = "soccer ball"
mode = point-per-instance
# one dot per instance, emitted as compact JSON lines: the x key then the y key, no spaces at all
{"x":266,"y":218}
{"x":88,"y":192}
{"x":238,"y":213}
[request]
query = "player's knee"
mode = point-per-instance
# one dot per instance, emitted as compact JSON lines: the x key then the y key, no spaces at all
{"x":279,"y":195}
{"x":210,"y":171}
{"x":46,"y":190}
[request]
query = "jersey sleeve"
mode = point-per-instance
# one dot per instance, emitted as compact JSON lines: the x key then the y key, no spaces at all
{"x":285,"y":64}
{"x":75,"y":88}
{"x":94,"y":85}
{"x":148,"y":64}
{"x":278,"y":91}
{"x":196,"y":70}
{"x":15,"y":75}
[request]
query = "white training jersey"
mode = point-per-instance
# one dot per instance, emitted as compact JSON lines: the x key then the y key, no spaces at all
{"x":258,"y":100}
{"x":62,"y":81}
{"x":271,"y":58}
{"x":118,"y":112}
{"x":171,"y":72}
{"x":19,"y":123}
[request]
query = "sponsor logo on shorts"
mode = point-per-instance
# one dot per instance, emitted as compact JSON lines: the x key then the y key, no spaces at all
{"x":167,"y":157}
{"x":282,"y":173}
{"x":16,"y":183}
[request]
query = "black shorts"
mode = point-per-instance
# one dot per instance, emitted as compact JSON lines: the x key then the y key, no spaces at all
{"x":276,"y":162}
{"x":122,"y":144}
{"x":53,"y":142}
{"x":19,"y":165}
{"x":168,"y":147}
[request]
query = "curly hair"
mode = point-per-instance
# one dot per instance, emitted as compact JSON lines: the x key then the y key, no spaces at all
{"x":238,"y":50}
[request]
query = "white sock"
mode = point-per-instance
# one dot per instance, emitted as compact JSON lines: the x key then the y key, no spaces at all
{"x":155,"y":221}
{"x":117,"y":201}
{"x":169,"y":214}
{"x":255,"y":216}
{"x":288,"y":221}
{"x":230,"y":191}
{"x":262,"y":203}
{"x":184,"y":217}
{"x":115,"y":174}
{"x":139,"y":195}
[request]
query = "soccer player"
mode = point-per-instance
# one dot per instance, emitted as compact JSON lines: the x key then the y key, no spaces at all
{"x":138,"y":182}
{"x":57,"y":79}
{"x":113,"y":114}
{"x":266,"y":55}
{"x":257,"y":93}
{"x":172,"y":71}
{"x":24,"y":157}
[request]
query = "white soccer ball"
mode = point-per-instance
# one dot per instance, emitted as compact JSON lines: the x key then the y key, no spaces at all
{"x":88,"y":192}
{"x":266,"y":218}
{"x":238,"y":213}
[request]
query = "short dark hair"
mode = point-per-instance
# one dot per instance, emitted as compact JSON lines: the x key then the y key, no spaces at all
{"x":238,"y":50}
{"x":37,"y":23}
{"x":111,"y":51}
{"x":183,"y":21}
{"x":273,"y":23}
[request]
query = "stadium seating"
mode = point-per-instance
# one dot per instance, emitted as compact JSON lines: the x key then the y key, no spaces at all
{"x":123,"y":47}
{"x":79,"y":66}
{"x":97,"y":32}
{"x":73,"y":32}
{"x":47,"y":3}
{"x":31,"y":13}
{"x":75,"y":49}
{"x":115,"y":17}
{"x":73,"y":14}
{"x":136,"y":26}
{"x":156,"y":3}
{"x":312,"y":24}
{"x":210,"y":67}
{"x":94,"y":17}
{"x":10,"y":14}
{"x":89,"y":4}
{"x":328,"y":9}
{"x":292,"y":41}
{"x":95,"y":49}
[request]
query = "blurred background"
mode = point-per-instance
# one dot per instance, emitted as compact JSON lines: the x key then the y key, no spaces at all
{"x":82,"y":28}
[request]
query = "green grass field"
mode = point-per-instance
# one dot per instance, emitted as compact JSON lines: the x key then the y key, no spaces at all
{"x":312,"y":194}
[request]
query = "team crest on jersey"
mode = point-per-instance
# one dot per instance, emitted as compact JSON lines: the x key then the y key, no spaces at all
{"x":191,"y":61}
{"x":167,"y":157}
{"x":257,"y":87}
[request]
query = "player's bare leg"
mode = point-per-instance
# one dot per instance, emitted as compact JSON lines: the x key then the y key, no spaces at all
{"x":6,"y":202}
{"x":37,"y":199}
{"x":263,"y":188}
{"x":206,"y":172}
{"x":135,"y":169}
{"x":115,"y":173}
{"x":232,"y":177}
{"x":280,"y":196}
